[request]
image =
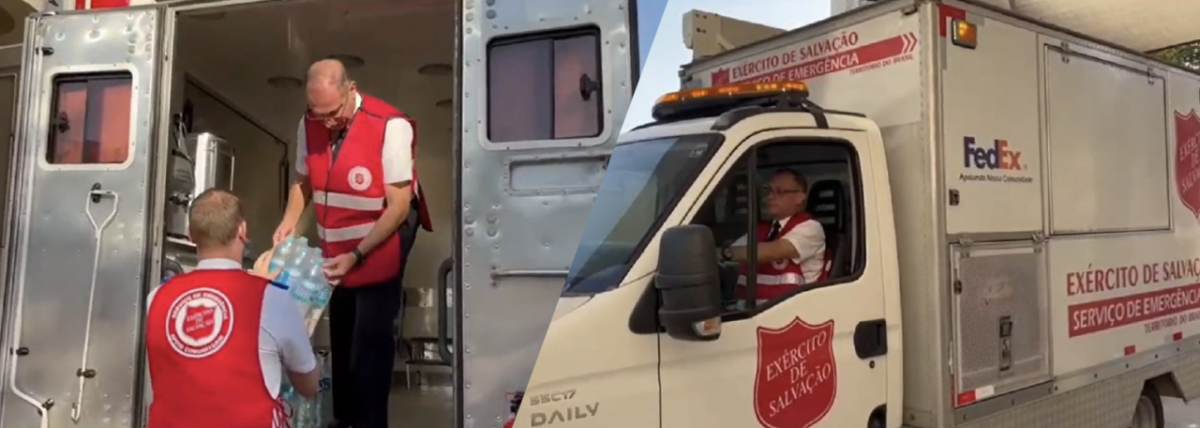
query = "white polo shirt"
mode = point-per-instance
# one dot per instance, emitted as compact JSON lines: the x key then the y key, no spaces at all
{"x":397,"y":148}
{"x":808,"y":238}
{"x":282,"y":338}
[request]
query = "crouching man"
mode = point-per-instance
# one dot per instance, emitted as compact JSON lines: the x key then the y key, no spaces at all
{"x":219,"y":339}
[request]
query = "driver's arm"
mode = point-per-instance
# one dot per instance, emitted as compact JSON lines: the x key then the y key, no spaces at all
{"x":768,"y":252}
{"x":804,"y":241}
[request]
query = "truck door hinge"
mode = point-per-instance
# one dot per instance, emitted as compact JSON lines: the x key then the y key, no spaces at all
{"x":958,"y":286}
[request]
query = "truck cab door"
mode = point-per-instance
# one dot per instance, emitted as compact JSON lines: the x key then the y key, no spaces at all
{"x":79,"y":228}
{"x":818,"y":357}
{"x":544,"y":88}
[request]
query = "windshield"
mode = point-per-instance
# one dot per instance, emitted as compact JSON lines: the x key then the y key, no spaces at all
{"x":641,"y":184}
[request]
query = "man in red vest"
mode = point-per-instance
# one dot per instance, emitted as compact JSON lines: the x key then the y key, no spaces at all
{"x":218,"y":339}
{"x":791,"y":247}
{"x":355,"y":162}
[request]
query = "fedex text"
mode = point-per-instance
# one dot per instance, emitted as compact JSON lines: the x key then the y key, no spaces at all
{"x":999,"y":156}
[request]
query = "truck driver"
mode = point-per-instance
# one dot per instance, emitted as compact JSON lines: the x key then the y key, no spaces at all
{"x":791,"y":247}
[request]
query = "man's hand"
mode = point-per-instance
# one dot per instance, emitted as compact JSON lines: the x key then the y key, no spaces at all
{"x":337,"y":268}
{"x":262,"y":266}
{"x":286,"y":229}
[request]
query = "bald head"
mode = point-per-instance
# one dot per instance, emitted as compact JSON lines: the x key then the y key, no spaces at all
{"x":329,"y":91}
{"x":327,"y":72}
{"x":215,"y":219}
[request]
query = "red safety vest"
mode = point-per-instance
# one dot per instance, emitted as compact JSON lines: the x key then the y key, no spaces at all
{"x":202,"y":350}
{"x":783,"y":276}
{"x":349,"y":191}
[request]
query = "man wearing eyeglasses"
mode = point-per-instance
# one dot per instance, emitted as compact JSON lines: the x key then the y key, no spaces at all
{"x":354,"y":160}
{"x":791,"y":246}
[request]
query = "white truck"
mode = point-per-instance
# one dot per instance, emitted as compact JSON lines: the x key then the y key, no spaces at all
{"x":1011,"y":213}
{"x":517,"y":104}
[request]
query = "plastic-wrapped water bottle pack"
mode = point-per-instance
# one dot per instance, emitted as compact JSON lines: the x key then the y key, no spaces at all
{"x":303,"y":412}
{"x":304,"y":275}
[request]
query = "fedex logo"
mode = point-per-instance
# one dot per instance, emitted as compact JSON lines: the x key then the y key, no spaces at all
{"x":999,"y":156}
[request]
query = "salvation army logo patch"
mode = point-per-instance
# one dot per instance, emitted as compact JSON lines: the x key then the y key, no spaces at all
{"x":796,"y":380}
{"x":1187,"y":160}
{"x":360,"y":178}
{"x":199,"y":323}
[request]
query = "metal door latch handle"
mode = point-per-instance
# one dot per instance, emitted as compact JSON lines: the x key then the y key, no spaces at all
{"x":587,"y":86}
{"x":62,"y":123}
{"x":95,"y":194}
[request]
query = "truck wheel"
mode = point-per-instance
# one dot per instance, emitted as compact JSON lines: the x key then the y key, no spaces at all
{"x":1148,"y":413}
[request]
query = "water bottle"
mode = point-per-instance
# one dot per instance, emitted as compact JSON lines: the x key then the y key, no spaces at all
{"x":290,"y":400}
{"x":283,"y":254}
{"x":293,"y":270}
{"x":326,"y":384}
{"x":303,"y":414}
{"x":317,"y":293}
{"x":298,"y":285}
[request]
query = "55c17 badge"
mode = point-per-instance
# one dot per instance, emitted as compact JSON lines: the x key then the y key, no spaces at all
{"x":559,"y":415}
{"x":551,"y":397}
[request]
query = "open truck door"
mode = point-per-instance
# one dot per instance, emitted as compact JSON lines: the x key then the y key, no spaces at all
{"x":544,"y":88}
{"x":81,"y":208}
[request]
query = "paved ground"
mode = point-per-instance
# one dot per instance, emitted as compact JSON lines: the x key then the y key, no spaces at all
{"x":1181,"y":415}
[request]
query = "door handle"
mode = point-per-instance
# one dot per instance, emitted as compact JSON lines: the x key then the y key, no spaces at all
{"x":587,"y":86}
{"x":61,"y":122}
{"x":443,"y":312}
{"x":870,"y":339}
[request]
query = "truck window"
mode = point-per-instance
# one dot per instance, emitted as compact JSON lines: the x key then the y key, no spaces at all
{"x":810,"y":189}
{"x":545,"y":87}
{"x":90,"y":119}
{"x":642,"y":184}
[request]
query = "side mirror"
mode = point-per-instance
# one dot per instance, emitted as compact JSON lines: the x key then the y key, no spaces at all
{"x":689,"y":282}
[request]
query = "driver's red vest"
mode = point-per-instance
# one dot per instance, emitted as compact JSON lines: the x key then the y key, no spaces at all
{"x":202,"y":351}
{"x":349,"y":190}
{"x":781,"y":277}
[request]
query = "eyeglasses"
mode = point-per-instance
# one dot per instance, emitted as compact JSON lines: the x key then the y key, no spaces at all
{"x":771,"y":191}
{"x":324,"y":116}
{"x":332,"y":114}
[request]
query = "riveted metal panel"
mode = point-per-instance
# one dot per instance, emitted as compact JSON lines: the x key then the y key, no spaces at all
{"x":78,"y":287}
{"x":524,"y":204}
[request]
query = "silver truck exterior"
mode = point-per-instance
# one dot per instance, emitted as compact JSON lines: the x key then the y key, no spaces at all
{"x":518,"y":206}
{"x":1040,"y":184}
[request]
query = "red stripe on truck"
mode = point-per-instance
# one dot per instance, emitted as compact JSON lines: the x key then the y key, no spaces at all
{"x":864,"y":57}
{"x":945,"y":14}
{"x":966,"y":398}
{"x":1158,"y":305}
{"x":101,"y":4}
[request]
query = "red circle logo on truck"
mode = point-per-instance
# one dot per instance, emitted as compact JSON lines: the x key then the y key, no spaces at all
{"x":199,"y":322}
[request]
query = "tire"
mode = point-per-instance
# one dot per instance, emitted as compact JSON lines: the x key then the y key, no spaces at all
{"x":1148,"y":411}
